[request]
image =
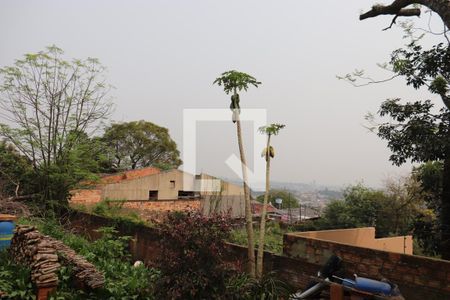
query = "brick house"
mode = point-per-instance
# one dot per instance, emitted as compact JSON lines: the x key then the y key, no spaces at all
{"x":153,"y":189}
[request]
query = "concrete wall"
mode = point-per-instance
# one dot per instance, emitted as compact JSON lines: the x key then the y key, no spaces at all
{"x":418,"y":277}
{"x":363,"y":237}
{"x":234,"y":205}
{"x":210,"y":185}
{"x":138,"y":188}
{"x":168,"y":184}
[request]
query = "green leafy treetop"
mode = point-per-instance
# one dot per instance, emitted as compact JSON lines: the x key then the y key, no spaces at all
{"x":272,"y":129}
{"x":140,"y":144}
{"x":234,"y":82}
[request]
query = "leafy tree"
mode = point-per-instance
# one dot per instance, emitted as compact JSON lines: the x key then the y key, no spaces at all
{"x":360,"y":207}
{"x":288,"y":199}
{"x":140,"y":144}
{"x":234,"y":82}
{"x":84,"y":160}
{"x":267,"y":154}
{"x":420,"y":134}
{"x":15,"y":172}
{"x":392,"y":211}
{"x":429,"y":175}
{"x":427,"y":224}
{"x":49,"y":103}
{"x":416,"y":130}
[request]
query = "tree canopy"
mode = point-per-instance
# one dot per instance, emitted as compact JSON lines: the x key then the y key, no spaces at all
{"x":49,"y":105}
{"x":140,"y":144}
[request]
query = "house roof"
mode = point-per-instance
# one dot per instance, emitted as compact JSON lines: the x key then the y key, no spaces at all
{"x":258,"y":206}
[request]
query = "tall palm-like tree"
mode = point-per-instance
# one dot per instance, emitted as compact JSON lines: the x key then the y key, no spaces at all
{"x":268,"y":153}
{"x":234,"y":82}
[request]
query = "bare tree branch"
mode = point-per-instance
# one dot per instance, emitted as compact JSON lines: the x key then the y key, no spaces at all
{"x":397,"y":8}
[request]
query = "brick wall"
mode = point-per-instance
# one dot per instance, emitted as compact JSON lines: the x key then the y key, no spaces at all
{"x":85,"y":197}
{"x":131,"y":174}
{"x":418,"y":277}
{"x":162,"y":205}
{"x":145,"y":246}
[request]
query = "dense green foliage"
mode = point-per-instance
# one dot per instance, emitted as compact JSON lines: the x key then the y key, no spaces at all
{"x":242,"y":286}
{"x":417,"y":131}
{"x":391,"y":211}
{"x":14,"y":279}
{"x":113,"y":209}
{"x":15,"y":172}
{"x":109,"y":254}
{"x":289,"y":200}
{"x":273,"y":240}
{"x":140,"y":144}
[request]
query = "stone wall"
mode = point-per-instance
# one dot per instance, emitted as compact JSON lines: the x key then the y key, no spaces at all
{"x":418,"y":277}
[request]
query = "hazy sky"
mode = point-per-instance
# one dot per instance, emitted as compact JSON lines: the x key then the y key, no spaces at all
{"x":162,"y":57}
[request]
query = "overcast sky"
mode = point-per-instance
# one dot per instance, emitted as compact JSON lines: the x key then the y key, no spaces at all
{"x":162,"y":57}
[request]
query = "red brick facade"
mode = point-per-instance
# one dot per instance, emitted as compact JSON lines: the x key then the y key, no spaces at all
{"x":163,"y":205}
{"x":85,"y":197}
{"x":131,"y":174}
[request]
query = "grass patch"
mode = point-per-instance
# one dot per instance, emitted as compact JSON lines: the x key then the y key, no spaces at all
{"x":273,"y":241}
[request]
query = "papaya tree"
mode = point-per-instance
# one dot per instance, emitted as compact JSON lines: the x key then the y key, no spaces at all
{"x":268,"y":153}
{"x":234,"y":82}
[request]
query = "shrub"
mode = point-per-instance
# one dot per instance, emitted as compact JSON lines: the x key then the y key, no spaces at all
{"x":14,"y":279}
{"x":241,"y":286}
{"x":192,"y":256}
{"x":109,"y":254}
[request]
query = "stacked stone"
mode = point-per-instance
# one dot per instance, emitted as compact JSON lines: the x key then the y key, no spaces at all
{"x":44,"y":255}
{"x":84,"y":271}
{"x":29,"y":247}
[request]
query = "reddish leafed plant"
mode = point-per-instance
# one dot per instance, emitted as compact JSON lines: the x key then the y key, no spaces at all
{"x":192,"y":256}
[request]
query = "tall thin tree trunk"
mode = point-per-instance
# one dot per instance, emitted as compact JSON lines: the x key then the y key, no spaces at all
{"x":248,"y":208}
{"x":262,"y":226}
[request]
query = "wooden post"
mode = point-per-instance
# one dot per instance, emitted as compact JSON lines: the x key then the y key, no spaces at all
{"x":336,"y":292}
{"x":42,"y":293}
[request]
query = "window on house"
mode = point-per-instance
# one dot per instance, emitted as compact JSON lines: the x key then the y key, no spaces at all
{"x":172,"y":184}
{"x":188,"y":195}
{"x":152,"y":195}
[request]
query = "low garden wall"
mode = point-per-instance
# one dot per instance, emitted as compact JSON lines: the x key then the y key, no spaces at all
{"x":145,"y":247}
{"x":418,"y":277}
